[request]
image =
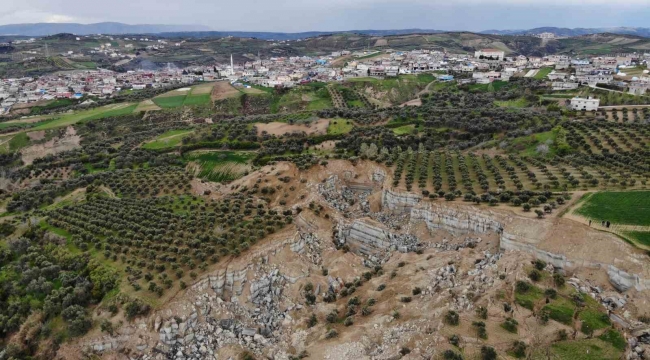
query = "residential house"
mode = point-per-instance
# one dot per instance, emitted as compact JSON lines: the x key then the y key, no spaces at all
{"x":589,"y":104}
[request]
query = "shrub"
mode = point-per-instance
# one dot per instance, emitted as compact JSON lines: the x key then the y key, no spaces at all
{"x":519,"y":349}
{"x":451,"y":355}
{"x":454,"y":340}
{"x":381,"y":287}
{"x":510,"y":325}
{"x":550,"y":293}
{"x":481,"y":332}
{"x":348,"y":321}
{"x":562,"y":335}
{"x":558,"y":279}
{"x":312,"y":321}
{"x":452,"y":318}
{"x":488,"y":353}
{"x":482,"y":312}
{"x":404,"y":351}
{"x":535,"y":275}
{"x":522,"y":287}
{"x":540,"y":264}
{"x":331,"y":334}
{"x":405,"y":299}
{"x":417,"y":291}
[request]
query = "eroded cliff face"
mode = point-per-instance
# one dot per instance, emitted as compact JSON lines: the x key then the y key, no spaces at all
{"x":552,"y":241}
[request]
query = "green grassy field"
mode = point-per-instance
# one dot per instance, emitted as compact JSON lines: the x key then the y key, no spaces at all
{"x":221,"y":166}
{"x":404,"y":130}
{"x":339,"y":126}
{"x":170,"y":101}
{"x":18,"y":142}
{"x":518,"y":103}
{"x":624,"y":207}
{"x":527,"y":145}
{"x":587,"y":349}
{"x":639,"y":237}
{"x":561,"y":310}
{"x":197,"y":99}
{"x":167,"y":140}
{"x":92,"y":114}
{"x":542,"y":73}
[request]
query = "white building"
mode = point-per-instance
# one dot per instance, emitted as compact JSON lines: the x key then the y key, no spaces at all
{"x":490,"y":53}
{"x":589,"y":104}
{"x":546,"y":35}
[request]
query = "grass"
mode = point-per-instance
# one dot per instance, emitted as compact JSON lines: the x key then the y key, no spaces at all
{"x":527,"y":145}
{"x":529,"y":298}
{"x":587,"y":349}
{"x":170,"y":101}
{"x":169,"y":139}
{"x":404,"y":130}
{"x":561,"y":310}
{"x":319,"y":104}
{"x":221,"y":166}
{"x":18,"y":142}
{"x":614,"y":338}
{"x":197,"y":99}
{"x":593,"y":319}
{"x":339,"y":126}
{"x":542,"y":73}
{"x":624,"y":207}
{"x":639,"y":237}
{"x":92,"y":114}
{"x":518,"y":103}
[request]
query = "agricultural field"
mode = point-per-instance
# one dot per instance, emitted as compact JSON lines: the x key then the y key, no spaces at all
{"x":169,"y":139}
{"x":542,"y":73}
{"x":624,"y":207}
{"x":196,"y":95}
{"x":339,"y":126}
{"x":87,"y":115}
{"x":219,"y":166}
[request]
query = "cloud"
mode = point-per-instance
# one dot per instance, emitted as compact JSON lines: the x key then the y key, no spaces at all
{"x":55,"y":18}
{"x":330,"y":15}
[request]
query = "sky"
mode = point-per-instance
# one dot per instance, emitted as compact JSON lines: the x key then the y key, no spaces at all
{"x":336,"y":15}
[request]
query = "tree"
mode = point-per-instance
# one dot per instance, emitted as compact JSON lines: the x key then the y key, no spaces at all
{"x":78,"y":320}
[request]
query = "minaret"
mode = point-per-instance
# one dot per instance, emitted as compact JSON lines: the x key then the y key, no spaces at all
{"x":232,"y":66}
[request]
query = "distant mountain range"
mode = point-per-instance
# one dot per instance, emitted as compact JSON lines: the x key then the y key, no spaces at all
{"x":44,"y":29}
{"x":201,"y":31}
{"x":644,"y":32}
{"x":294,"y":36}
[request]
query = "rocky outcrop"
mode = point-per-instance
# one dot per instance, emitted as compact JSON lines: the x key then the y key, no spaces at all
{"x":519,"y":235}
{"x":399,"y":202}
{"x":375,"y":242}
{"x":455,"y":221}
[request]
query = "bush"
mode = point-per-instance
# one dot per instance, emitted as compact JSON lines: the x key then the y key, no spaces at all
{"x":519,"y":349}
{"x":522,"y":287}
{"x":348,"y":321}
{"x":452,"y":318}
{"x":540,"y":264}
{"x":550,"y":293}
{"x":482,"y":312}
{"x":558,"y":279}
{"x":417,"y":291}
{"x":381,"y":287}
{"x":405,"y":299}
{"x":331,"y":334}
{"x":535,"y":275}
{"x":451,"y":355}
{"x":481,"y":331}
{"x":562,"y":335}
{"x":454,"y":340}
{"x":312,"y":321}
{"x":488,"y":353}
{"x":510,"y":325}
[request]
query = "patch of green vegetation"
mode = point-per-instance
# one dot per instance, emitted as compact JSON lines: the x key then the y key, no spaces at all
{"x":518,"y":103}
{"x":404,"y":130}
{"x":529,"y":298}
{"x":543,"y":73}
{"x":593,"y":320}
{"x":614,"y":338}
{"x":18,"y":142}
{"x":587,"y":349}
{"x":639,"y":237}
{"x":170,"y":101}
{"x":169,"y":139}
{"x":622,"y":207}
{"x":221,"y":166}
{"x":561,"y":310}
{"x":339,"y":126}
{"x":319,"y":104}
{"x":92,"y":114}
{"x":528,"y":145}
{"x":198,"y":99}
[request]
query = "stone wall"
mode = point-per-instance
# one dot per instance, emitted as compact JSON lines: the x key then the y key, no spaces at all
{"x":399,"y":202}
